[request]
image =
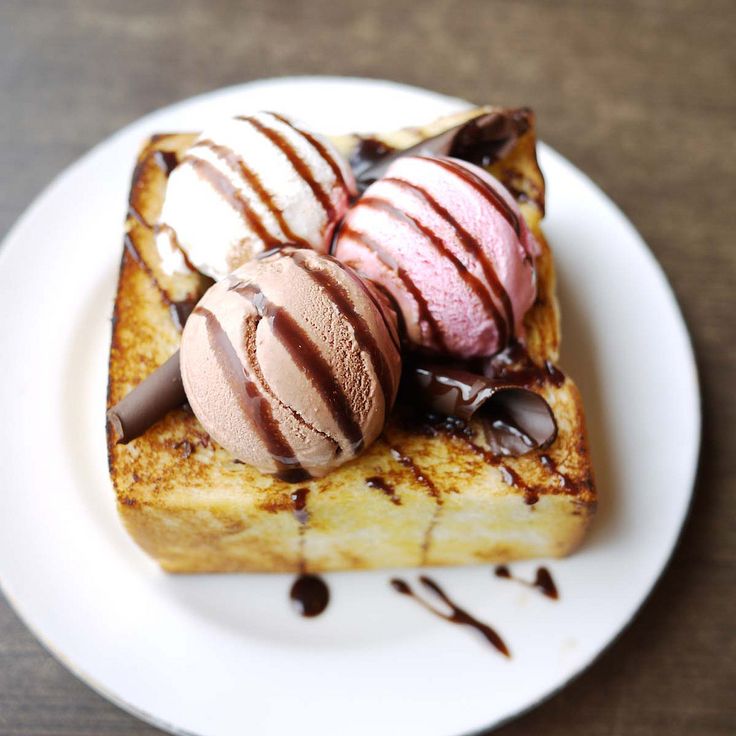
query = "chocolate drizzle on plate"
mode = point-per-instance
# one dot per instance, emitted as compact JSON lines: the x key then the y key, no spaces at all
{"x":456,"y":614}
{"x":308,"y":358}
{"x":543,"y":581}
{"x":309,"y":593}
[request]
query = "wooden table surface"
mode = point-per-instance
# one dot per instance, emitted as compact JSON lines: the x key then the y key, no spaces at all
{"x":640,"y":95}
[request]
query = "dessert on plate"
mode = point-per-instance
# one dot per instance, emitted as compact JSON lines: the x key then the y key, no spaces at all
{"x":341,"y":353}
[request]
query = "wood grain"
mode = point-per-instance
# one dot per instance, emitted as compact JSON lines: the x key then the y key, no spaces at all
{"x":640,"y":95}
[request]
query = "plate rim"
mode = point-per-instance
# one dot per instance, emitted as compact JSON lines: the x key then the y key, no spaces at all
{"x":6,"y":245}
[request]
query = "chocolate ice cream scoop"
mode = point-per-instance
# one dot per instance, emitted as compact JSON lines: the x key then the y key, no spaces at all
{"x":292,"y":363}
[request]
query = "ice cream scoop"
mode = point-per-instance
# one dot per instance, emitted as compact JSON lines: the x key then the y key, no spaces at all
{"x":247,"y":185}
{"x":292,"y":363}
{"x":449,"y":243}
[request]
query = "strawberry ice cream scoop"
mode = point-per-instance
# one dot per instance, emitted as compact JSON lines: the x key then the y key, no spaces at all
{"x":449,"y":243}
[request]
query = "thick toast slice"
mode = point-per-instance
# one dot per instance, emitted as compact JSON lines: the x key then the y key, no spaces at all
{"x":421,"y":495}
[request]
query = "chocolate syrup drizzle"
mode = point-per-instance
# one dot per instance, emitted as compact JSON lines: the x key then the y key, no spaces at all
{"x":372,"y":295}
{"x":467,"y":276}
{"x":318,"y":146}
{"x":301,"y":168}
{"x":509,"y":476}
{"x":364,"y":335}
{"x":423,"y":312}
{"x":253,"y":405}
{"x":309,"y":593}
{"x":474,"y":249}
{"x":516,"y":366}
{"x":551,"y":465}
{"x":421,"y":477}
{"x":166,"y":161}
{"x":543,"y":581}
{"x":231,"y":194}
{"x":456,"y":615}
{"x":375,"y":481}
{"x":308,"y":358}
{"x":487,"y":192}
{"x":238,"y":165}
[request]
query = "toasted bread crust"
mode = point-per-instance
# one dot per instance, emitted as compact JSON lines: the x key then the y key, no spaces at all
{"x":193,"y":508}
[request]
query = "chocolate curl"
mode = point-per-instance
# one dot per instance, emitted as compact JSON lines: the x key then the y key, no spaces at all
{"x":148,"y":402}
{"x":481,"y":140}
{"x":517,"y":420}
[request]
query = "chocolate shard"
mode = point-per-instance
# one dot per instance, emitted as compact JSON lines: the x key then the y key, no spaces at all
{"x":148,"y":402}
{"x":516,"y":419}
{"x":481,"y":140}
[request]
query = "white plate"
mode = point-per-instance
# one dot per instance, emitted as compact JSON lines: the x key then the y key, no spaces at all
{"x":220,"y":655}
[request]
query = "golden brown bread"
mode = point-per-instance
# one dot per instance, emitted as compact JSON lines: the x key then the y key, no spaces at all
{"x":419,"y":496}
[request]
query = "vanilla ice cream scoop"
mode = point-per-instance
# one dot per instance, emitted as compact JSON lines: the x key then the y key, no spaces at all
{"x":292,"y":363}
{"x":247,"y":185}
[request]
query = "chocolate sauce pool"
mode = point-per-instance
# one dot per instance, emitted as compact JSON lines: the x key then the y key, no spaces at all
{"x":309,"y":595}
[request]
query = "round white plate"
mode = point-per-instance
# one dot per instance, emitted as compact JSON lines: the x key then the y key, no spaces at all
{"x":221,"y":655}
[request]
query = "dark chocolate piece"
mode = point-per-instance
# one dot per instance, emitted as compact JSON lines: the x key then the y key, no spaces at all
{"x":148,"y":402}
{"x":514,"y":365}
{"x":481,"y":140}
{"x":517,"y":420}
